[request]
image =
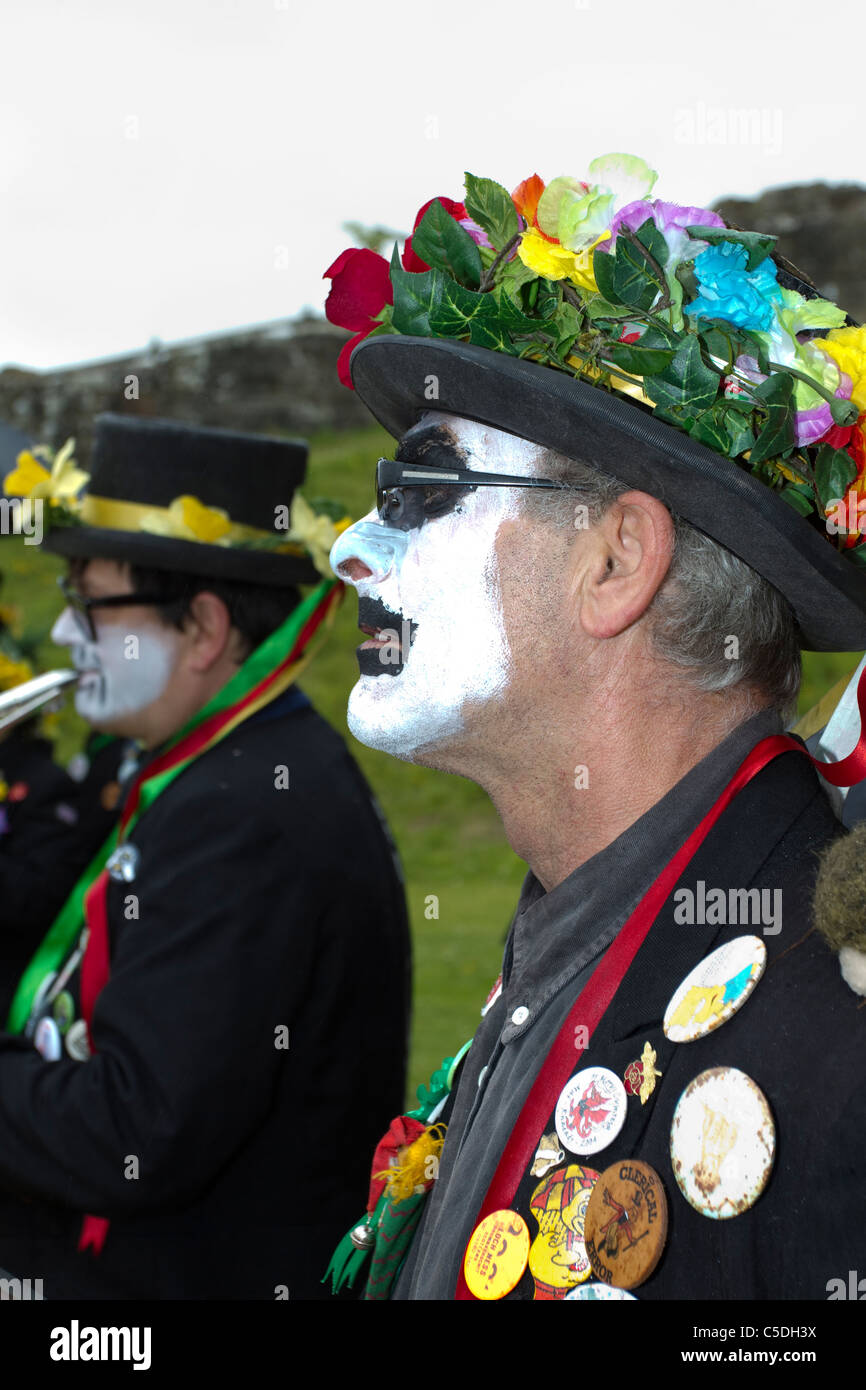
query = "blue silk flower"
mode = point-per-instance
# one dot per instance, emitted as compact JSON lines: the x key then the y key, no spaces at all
{"x":729,"y":291}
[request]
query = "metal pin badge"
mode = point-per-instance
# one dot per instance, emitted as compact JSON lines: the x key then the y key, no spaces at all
{"x":122,"y":863}
{"x":723,"y":1142}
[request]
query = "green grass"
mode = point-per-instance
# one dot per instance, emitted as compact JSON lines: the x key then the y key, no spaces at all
{"x":449,"y":837}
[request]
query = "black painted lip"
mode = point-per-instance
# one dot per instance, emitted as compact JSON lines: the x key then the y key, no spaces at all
{"x":374,"y":617}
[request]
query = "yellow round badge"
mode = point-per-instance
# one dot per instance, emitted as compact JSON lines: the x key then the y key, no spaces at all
{"x":496,"y":1255}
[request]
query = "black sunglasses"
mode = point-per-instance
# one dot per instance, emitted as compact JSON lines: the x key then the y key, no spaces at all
{"x":81,"y":606}
{"x":407,"y":495}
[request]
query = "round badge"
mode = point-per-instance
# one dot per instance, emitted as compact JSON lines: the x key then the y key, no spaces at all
{"x":557,"y":1257}
{"x":723,"y":1142}
{"x":76,"y":1041}
{"x":591,"y":1110}
{"x":496,"y":1255}
{"x":717,"y":987}
{"x":64,"y":1010}
{"x":46,"y":1040}
{"x":626,"y":1224}
{"x":601,"y":1292}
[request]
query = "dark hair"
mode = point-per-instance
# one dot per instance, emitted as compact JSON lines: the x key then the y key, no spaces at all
{"x":255,"y":610}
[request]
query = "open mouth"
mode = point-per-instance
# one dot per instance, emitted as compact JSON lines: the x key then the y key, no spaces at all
{"x":389,"y":637}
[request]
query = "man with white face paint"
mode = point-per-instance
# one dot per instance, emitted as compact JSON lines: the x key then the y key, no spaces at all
{"x":199,"y":1014}
{"x":598,"y":619}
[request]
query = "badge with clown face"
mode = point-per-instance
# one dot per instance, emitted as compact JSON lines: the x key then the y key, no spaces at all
{"x":557,"y":1257}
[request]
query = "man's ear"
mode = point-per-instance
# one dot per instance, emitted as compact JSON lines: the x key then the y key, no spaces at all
{"x":627,"y":557}
{"x":209,"y":629}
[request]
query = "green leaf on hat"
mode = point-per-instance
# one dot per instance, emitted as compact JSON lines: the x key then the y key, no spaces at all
{"x":834,"y":470}
{"x":491,"y":335}
{"x":456,"y":309}
{"x":416,"y":296}
{"x":741,"y":436}
{"x":757,"y":244}
{"x":639,"y":360}
{"x":686,"y":380}
{"x":796,"y":499}
{"x":633,"y":281}
{"x":490,"y":205}
{"x":600,"y":308}
{"x":857,"y":556}
{"x":445,"y":245}
{"x":511,"y":315}
{"x":603,"y":266}
{"x":546,"y":299}
{"x":709,"y":428}
{"x":636,"y":280}
{"x":512,"y":276}
{"x":777,"y":434}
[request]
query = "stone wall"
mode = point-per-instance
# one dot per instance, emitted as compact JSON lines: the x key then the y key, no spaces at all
{"x":279,"y":377}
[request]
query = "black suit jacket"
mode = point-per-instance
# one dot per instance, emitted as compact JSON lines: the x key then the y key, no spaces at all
{"x":228,"y":1164}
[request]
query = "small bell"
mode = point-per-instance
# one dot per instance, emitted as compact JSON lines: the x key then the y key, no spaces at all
{"x":363,"y":1237}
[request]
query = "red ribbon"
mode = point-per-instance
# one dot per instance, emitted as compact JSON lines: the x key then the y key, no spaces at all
{"x":852,"y":769}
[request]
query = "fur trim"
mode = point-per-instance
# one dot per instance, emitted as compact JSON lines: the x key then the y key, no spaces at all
{"x":840,"y":904}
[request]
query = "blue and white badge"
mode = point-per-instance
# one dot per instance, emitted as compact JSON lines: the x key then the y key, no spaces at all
{"x":718,"y":986}
{"x":47,"y":1041}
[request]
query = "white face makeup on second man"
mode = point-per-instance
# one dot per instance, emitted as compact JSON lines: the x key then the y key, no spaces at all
{"x":126,"y":669}
{"x":437,"y":589}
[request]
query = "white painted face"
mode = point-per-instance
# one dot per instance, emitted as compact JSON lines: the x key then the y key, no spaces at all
{"x":125,"y":671}
{"x":443,"y":579}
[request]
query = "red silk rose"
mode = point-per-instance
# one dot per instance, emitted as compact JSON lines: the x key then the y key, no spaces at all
{"x":360,"y":289}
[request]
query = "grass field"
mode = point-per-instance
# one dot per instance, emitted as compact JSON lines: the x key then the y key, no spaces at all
{"x":448,"y":835}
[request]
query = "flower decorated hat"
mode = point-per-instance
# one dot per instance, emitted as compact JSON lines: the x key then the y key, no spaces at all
{"x":652,"y":341}
{"x":182,"y":498}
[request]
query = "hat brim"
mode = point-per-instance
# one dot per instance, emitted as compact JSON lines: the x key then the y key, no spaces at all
{"x":264,"y":567}
{"x":399,"y":378}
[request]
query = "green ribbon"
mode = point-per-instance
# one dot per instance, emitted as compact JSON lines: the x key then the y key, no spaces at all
{"x":56,"y":945}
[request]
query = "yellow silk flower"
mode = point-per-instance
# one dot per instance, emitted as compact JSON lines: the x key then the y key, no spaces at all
{"x":13,"y":673}
{"x":556,"y":262}
{"x":188,"y":519}
{"x":316,"y":531}
{"x":30,"y":478}
{"x":847,"y":347}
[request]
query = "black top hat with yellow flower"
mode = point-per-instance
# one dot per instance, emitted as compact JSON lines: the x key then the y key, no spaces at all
{"x":180,"y":497}
{"x":648,"y":339}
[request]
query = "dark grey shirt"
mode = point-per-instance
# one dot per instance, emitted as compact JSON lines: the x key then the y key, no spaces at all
{"x":553,"y":944}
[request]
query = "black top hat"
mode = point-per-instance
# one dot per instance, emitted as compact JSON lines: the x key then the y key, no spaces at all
{"x":827,"y":593}
{"x":140,"y":467}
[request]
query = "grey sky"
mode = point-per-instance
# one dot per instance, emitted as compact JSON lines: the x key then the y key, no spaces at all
{"x":175,"y":167}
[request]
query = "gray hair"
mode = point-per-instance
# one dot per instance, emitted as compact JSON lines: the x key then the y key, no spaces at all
{"x":709,"y":596}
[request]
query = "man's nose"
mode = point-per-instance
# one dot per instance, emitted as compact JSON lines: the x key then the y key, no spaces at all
{"x":367,"y":552}
{"x":66,"y":632}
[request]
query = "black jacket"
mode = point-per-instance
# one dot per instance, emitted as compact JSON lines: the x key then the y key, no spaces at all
{"x":228,"y":1163}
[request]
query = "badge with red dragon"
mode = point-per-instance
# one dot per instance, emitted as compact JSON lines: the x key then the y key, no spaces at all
{"x":591,"y":1110}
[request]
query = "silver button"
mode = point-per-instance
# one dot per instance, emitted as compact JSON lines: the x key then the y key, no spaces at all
{"x":520,"y":1016}
{"x":481,"y":1076}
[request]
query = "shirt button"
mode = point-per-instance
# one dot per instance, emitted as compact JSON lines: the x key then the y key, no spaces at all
{"x":481,"y":1076}
{"x":520,"y":1016}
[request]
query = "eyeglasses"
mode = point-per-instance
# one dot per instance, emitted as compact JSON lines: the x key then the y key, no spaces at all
{"x":408,"y":495}
{"x":81,"y":606}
